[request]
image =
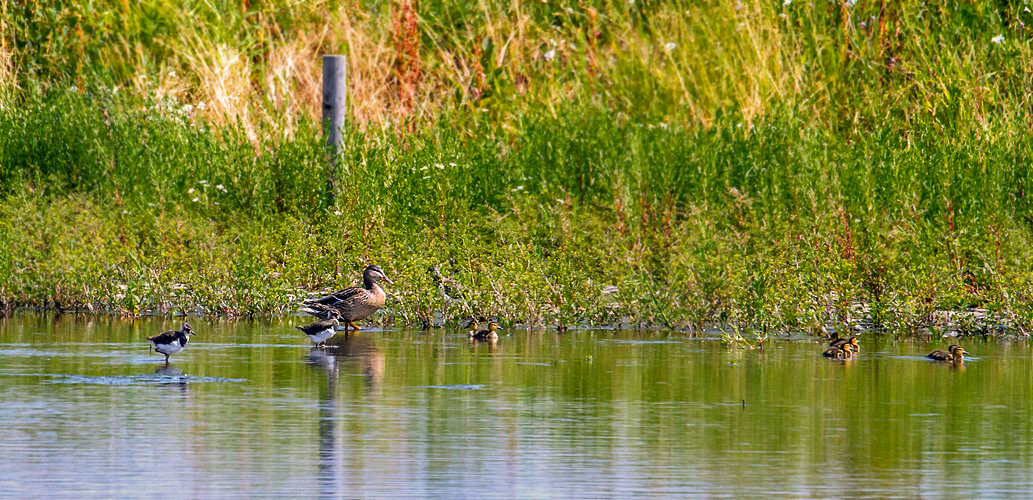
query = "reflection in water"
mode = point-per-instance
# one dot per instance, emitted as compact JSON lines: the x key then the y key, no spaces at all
{"x":350,"y":349}
{"x":361,"y":349}
{"x":329,"y":466}
{"x":491,"y":344}
{"x":175,"y":378}
{"x":168,"y":371}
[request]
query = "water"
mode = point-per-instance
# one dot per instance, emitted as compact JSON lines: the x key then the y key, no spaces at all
{"x":249,"y":409}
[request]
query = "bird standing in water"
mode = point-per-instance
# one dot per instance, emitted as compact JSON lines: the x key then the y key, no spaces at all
{"x":354,"y":303}
{"x":320,"y":331}
{"x":171,"y":342}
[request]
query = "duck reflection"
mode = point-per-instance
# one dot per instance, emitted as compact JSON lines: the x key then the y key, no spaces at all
{"x":360,"y":350}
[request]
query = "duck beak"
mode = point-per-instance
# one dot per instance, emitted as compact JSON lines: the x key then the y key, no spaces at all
{"x":388,"y":279}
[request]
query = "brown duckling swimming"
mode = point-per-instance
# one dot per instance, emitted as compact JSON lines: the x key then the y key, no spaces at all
{"x":846,"y":351}
{"x":354,"y":303}
{"x":840,"y":342}
{"x":953,"y":353}
{"x":488,"y":334}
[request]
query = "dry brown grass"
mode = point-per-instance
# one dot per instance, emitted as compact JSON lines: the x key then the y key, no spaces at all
{"x":6,"y":51}
{"x":411,"y":63}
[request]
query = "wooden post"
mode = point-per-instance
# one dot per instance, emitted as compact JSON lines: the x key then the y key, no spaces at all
{"x":334,"y":93}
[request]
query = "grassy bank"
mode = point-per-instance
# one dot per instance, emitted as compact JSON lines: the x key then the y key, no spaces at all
{"x":774,"y":226}
{"x":761,"y":165}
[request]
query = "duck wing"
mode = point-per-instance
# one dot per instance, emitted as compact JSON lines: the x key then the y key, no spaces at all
{"x":335,"y":297}
{"x":939,"y":355}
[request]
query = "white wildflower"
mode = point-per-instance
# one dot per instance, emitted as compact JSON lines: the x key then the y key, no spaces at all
{"x":786,"y":3}
{"x":337,"y":213}
{"x":426,"y":177}
{"x":424,"y":168}
{"x":201,"y":105}
{"x":222,"y":188}
{"x":190,"y":191}
{"x":452,"y":164}
{"x":114,"y":89}
{"x":570,"y":10}
{"x":550,"y":54}
{"x":197,"y":200}
{"x":188,"y":108}
{"x":172,"y":74}
{"x":517,"y":189}
{"x":669,"y":46}
{"x":999,"y":39}
{"x":439,"y":166}
{"x":73,"y":88}
{"x":203,"y":182}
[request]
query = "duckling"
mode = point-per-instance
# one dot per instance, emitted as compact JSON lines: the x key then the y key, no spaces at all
{"x":352,"y":304}
{"x":844,"y":352}
{"x":840,"y":342}
{"x":953,"y":353}
{"x":488,"y":334}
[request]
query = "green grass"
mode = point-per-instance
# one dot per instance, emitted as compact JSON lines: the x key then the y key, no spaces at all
{"x":774,"y":172}
{"x":775,"y":227}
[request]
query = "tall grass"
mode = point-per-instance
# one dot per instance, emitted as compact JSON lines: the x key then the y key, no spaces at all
{"x":771,"y":226}
{"x":255,"y":64}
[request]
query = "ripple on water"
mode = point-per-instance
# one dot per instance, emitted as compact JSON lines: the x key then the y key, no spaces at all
{"x":638,"y":342}
{"x":139,"y":379}
{"x":455,"y":387}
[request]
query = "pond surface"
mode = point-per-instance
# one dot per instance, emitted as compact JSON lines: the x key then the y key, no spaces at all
{"x":249,"y":409}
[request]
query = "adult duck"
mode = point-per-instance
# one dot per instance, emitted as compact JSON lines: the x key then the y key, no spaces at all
{"x":352,"y":304}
